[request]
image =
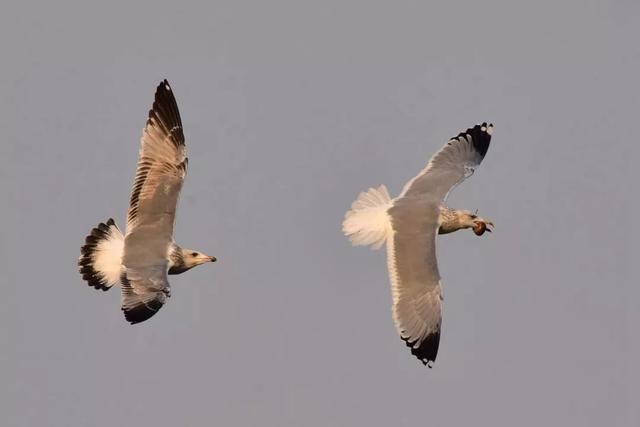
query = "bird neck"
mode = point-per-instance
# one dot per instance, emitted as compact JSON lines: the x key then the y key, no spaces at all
{"x":176,"y":260}
{"x":450,"y":220}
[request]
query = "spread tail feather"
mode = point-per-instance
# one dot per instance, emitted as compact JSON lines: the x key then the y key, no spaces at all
{"x":100,"y":259}
{"x":367,"y":223}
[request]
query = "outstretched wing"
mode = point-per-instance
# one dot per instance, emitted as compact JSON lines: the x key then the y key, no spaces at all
{"x":415,"y":280}
{"x":161,"y":170}
{"x":411,"y":249}
{"x":144,"y":292}
{"x":455,"y":162}
{"x":162,"y":165}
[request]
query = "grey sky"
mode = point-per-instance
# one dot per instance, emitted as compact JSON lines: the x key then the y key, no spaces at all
{"x":290,"y":109}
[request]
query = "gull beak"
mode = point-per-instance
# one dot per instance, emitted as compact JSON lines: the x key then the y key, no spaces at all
{"x":212,"y":259}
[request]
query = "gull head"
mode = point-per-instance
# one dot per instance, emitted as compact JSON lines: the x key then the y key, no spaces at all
{"x":194,"y":258}
{"x":185,"y":259}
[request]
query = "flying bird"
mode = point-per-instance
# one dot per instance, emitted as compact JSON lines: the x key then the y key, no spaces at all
{"x":409,"y":225}
{"x":141,"y":259}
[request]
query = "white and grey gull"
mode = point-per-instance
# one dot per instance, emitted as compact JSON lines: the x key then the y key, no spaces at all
{"x":141,"y":259}
{"x":409,"y":225}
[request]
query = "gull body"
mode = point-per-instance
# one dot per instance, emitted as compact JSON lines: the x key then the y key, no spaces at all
{"x":141,"y":259}
{"x":409,"y":226}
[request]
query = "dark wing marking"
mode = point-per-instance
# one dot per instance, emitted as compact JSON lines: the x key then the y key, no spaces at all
{"x":415,"y":280}
{"x":162,"y":164}
{"x":452,"y":164}
{"x":144,"y":292}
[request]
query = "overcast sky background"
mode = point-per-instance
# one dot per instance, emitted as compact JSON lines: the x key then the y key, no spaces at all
{"x":290,"y":109}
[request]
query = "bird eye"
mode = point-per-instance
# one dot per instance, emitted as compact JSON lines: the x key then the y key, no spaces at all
{"x":194,"y":253}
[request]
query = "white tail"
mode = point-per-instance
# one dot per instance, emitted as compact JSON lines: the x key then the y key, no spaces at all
{"x":101,"y":256}
{"x":367,"y":223}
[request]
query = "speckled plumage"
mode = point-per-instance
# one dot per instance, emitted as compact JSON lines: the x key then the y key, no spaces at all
{"x":450,"y":220}
{"x":176,"y":260}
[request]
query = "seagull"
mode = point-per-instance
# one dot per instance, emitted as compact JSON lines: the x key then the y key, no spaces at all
{"x":141,"y":259}
{"x":409,"y":225}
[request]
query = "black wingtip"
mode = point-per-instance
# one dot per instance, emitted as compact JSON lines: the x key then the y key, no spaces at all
{"x":165,"y":107}
{"x":141,"y":310}
{"x":480,"y":137}
{"x":427,"y":350}
{"x":163,"y":90}
{"x":140,"y":313}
